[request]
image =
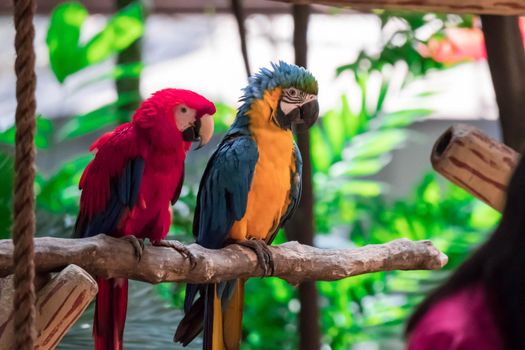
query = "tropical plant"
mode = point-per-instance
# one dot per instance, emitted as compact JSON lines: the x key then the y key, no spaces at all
{"x":350,"y":144}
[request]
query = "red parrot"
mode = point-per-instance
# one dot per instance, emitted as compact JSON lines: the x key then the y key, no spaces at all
{"x":138,"y":169}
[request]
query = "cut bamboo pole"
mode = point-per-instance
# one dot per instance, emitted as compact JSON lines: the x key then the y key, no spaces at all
{"x":475,"y":162}
{"x":59,"y":304}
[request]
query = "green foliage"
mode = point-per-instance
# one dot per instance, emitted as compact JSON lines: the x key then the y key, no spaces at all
{"x":67,"y":55}
{"x":6,"y":194}
{"x":44,"y":131}
{"x":447,"y":215}
{"x":93,"y":121}
{"x":401,"y":45}
{"x":348,"y":147}
{"x":59,"y":193}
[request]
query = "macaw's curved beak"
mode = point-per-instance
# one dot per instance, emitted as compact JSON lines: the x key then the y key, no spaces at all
{"x":206,"y":130}
{"x":201,"y":130}
{"x":307,"y":116}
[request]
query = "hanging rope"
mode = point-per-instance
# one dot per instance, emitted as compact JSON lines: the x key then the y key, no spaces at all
{"x":24,"y":199}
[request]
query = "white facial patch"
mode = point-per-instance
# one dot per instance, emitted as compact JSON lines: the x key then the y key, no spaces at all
{"x":184,"y":116}
{"x":293,"y":98}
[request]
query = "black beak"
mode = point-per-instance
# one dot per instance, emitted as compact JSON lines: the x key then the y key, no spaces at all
{"x":307,"y":116}
{"x":192,"y":133}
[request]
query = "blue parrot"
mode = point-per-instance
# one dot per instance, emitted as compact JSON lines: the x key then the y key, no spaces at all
{"x":251,"y":186}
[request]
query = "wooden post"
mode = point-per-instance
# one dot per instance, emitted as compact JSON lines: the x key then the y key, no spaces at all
{"x":59,"y":304}
{"x":475,"y":162}
{"x":495,"y":7}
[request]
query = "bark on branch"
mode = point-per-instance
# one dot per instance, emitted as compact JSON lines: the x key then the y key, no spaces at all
{"x":110,"y":257}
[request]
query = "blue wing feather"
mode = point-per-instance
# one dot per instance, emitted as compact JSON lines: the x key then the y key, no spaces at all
{"x":223,"y":195}
{"x":224,"y":188}
{"x":124,"y":191}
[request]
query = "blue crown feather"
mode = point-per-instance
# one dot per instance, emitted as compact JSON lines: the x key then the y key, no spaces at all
{"x":284,"y":75}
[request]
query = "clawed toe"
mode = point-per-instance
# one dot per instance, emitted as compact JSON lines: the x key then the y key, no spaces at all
{"x":181,"y":248}
{"x":264,"y":255}
{"x":137,"y":244}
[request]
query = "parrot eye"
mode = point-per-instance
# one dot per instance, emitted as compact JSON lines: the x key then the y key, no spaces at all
{"x":293,"y":92}
{"x":182,"y":110}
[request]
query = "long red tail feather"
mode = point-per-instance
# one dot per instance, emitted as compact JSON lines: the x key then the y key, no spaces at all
{"x":110,"y":313}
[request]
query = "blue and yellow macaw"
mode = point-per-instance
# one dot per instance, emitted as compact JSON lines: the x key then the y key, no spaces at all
{"x":250,"y":187}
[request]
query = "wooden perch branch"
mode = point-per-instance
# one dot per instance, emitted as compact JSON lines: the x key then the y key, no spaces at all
{"x":495,"y":7}
{"x":475,"y":162}
{"x":109,"y":257}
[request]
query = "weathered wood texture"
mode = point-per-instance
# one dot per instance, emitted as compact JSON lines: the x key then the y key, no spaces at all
{"x":59,"y":304}
{"x":506,"y":60}
{"x":495,"y":7}
{"x":110,"y":257}
{"x":475,"y":162}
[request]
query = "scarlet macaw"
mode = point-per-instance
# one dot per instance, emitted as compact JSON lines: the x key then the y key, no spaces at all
{"x":250,"y":187}
{"x":138,"y":169}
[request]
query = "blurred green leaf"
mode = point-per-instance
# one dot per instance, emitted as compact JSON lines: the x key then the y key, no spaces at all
{"x":83,"y":124}
{"x":359,"y":167}
{"x":224,"y":117}
{"x":60,"y":193}
{"x":44,"y":130}
{"x":349,"y":119}
{"x":363,"y":188}
{"x":123,"y":29}
{"x":6,"y":194}
{"x":375,"y":143}
{"x":320,"y":150}
{"x":404,"y":118}
{"x":67,"y":55}
{"x":121,"y":71}
{"x":332,"y":125}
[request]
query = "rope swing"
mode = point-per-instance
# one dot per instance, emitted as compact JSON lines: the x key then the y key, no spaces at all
{"x":24,"y":197}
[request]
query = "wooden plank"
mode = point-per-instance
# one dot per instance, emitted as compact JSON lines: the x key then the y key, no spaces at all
{"x":59,"y":304}
{"x":164,"y":6}
{"x":475,"y":162}
{"x":495,"y":7}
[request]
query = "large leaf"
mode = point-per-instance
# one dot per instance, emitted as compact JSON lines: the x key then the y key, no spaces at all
{"x":124,"y":28}
{"x":67,"y":55}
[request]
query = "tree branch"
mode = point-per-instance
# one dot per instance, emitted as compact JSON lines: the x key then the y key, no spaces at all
{"x":110,"y":257}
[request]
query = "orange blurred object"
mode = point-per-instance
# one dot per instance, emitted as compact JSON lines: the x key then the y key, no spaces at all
{"x":459,"y":45}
